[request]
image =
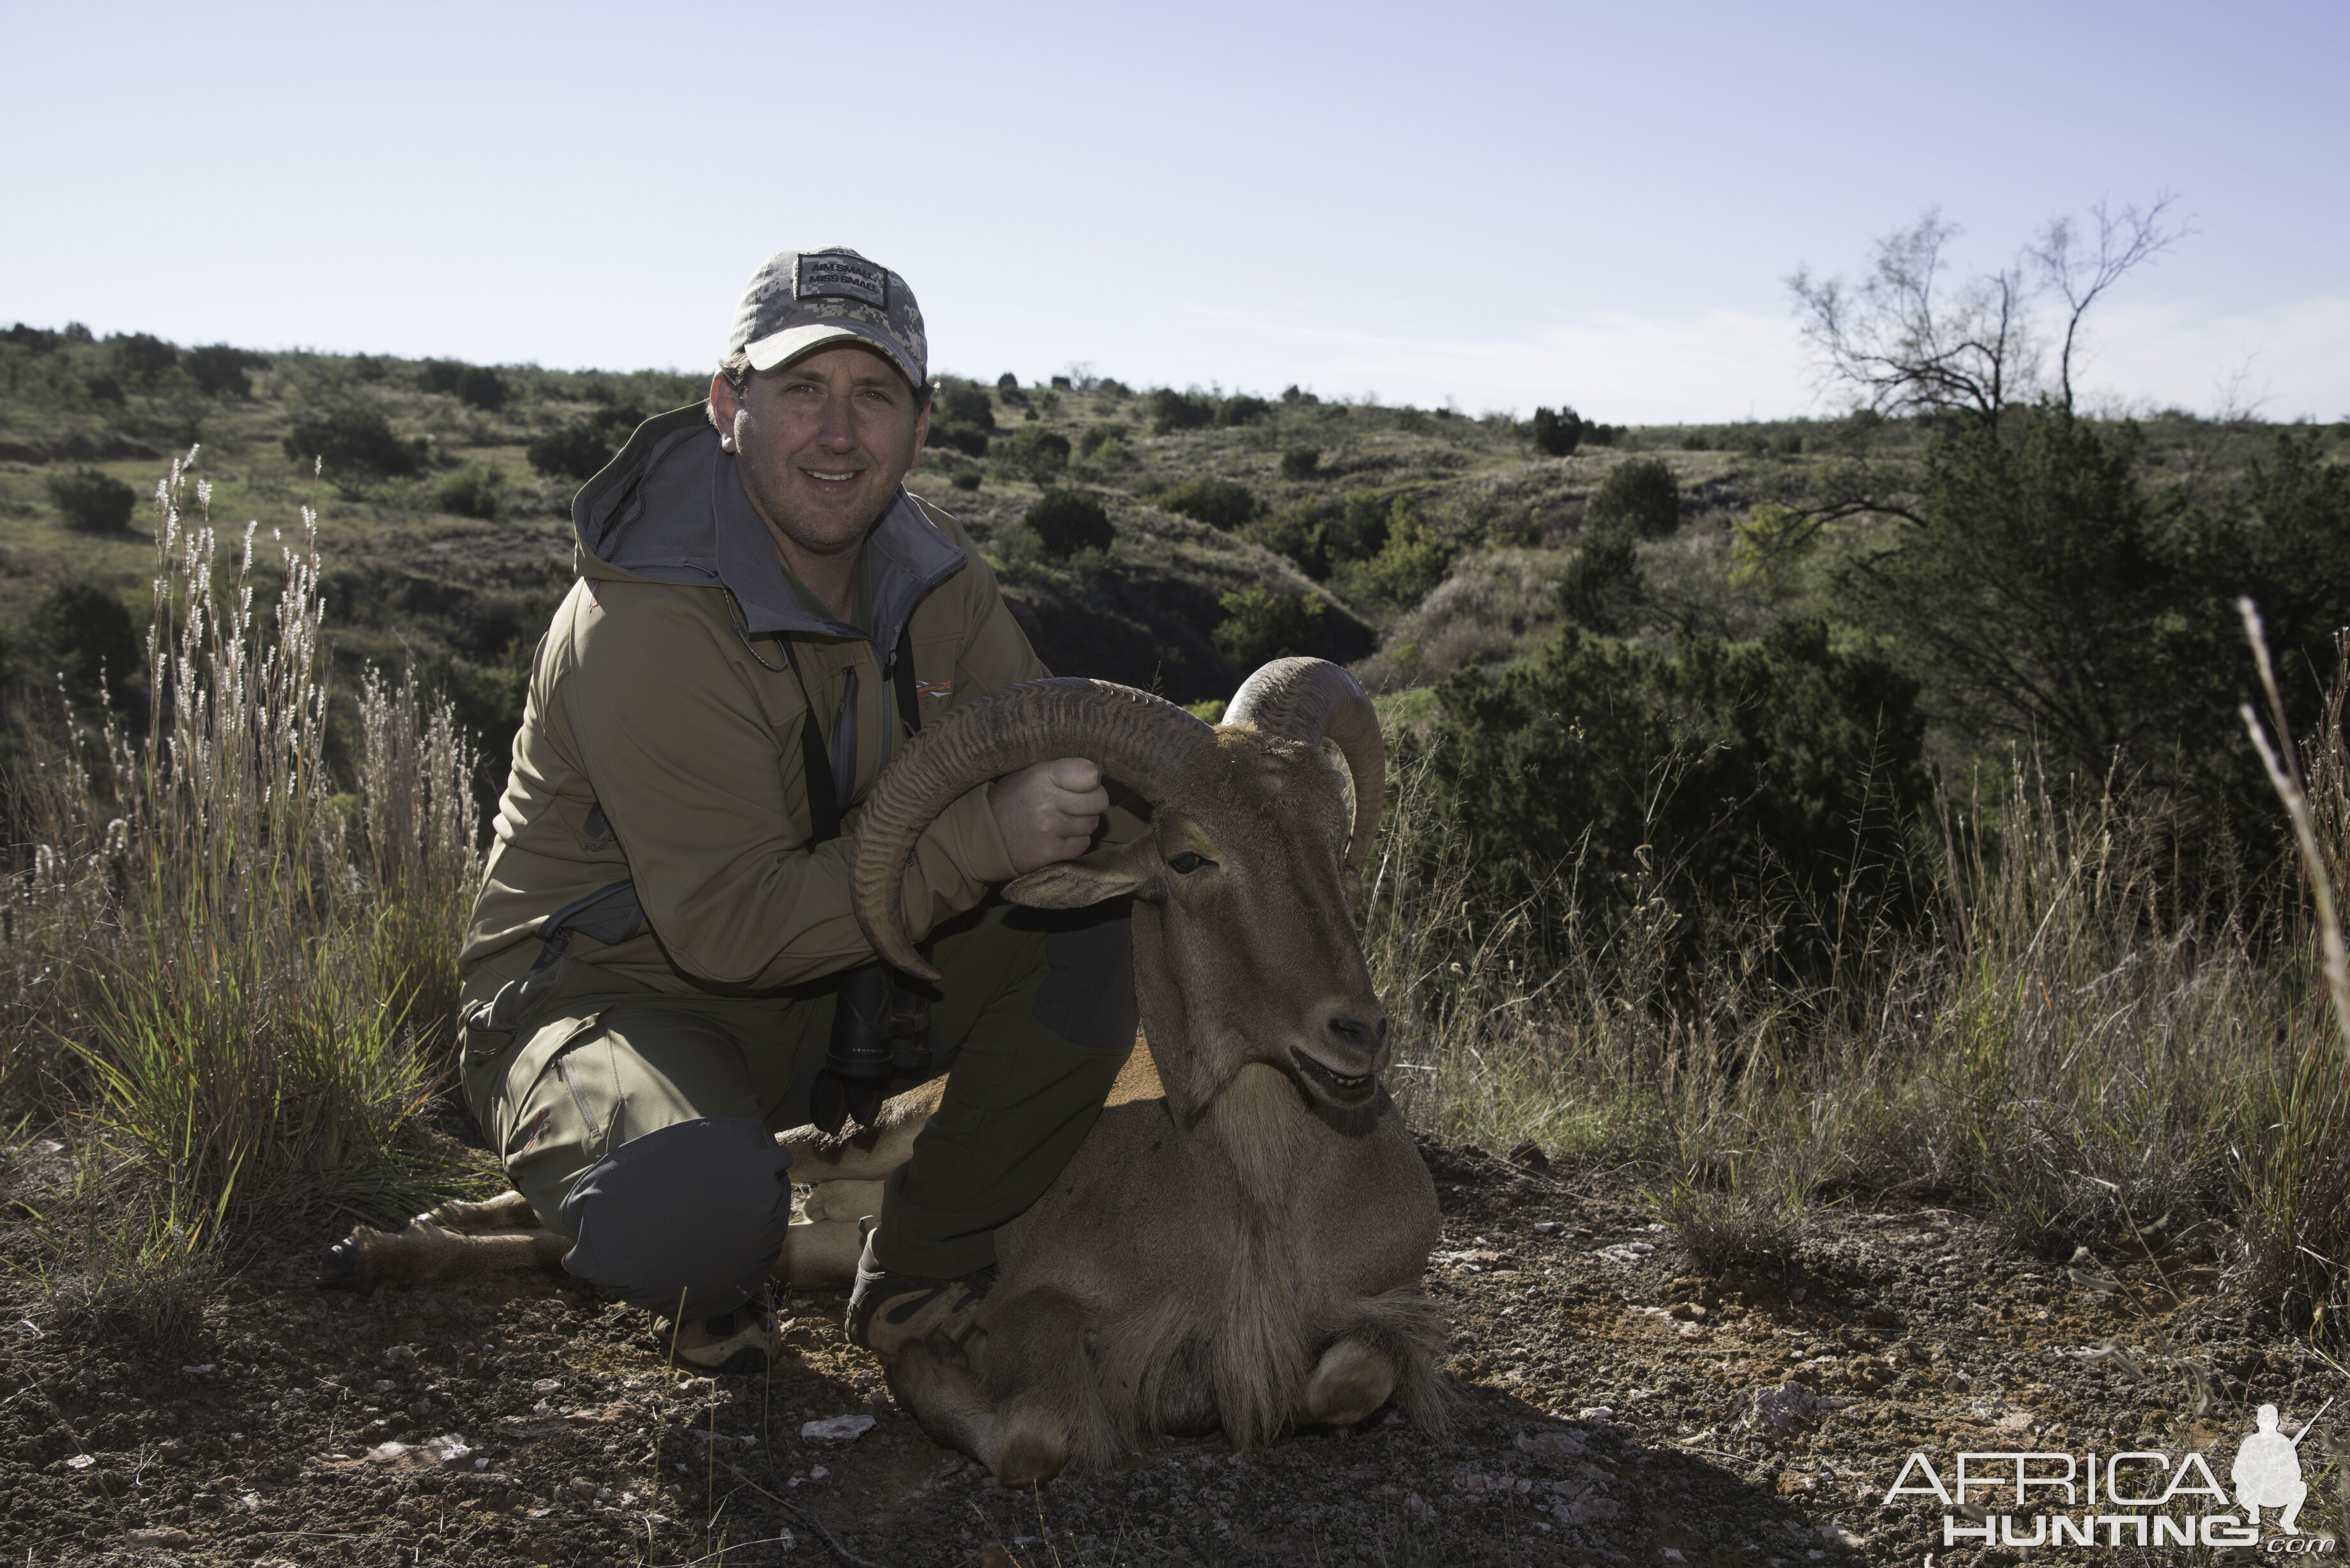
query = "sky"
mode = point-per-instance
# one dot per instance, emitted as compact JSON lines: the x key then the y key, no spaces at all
{"x":1492,"y":205}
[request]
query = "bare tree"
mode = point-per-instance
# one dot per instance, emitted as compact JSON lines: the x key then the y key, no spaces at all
{"x":1911,"y":340}
{"x":2125,"y":239}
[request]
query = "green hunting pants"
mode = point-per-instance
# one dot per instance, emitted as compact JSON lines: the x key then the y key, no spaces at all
{"x":643,"y":1122}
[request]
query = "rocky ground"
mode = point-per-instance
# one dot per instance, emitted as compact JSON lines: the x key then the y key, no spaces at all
{"x":1615,"y":1407}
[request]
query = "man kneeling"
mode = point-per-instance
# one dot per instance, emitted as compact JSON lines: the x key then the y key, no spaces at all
{"x":662,"y":970}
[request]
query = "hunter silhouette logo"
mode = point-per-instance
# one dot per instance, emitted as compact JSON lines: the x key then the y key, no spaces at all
{"x":2267,"y":1471}
{"x":2137,"y":1498}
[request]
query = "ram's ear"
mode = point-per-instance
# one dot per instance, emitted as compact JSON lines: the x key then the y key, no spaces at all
{"x":1088,"y":879}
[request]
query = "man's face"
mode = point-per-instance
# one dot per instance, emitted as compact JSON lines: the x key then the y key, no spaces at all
{"x":823,"y":443}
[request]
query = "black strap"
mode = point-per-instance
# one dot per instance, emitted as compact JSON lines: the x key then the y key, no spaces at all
{"x":824,"y":806}
{"x":823,"y":801}
{"x":902,"y":671}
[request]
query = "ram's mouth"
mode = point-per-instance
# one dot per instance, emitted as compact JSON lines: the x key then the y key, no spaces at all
{"x":1336,"y":1086}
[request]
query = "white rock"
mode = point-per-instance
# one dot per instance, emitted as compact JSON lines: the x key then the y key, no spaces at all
{"x":79,"y":1462}
{"x":838,"y":1429}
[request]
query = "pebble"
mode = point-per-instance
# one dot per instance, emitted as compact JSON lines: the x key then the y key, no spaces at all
{"x":838,"y":1429}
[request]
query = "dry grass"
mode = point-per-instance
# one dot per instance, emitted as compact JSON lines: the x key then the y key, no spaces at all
{"x":2055,"y":1041}
{"x":225,"y":979}
{"x":2293,"y":1169}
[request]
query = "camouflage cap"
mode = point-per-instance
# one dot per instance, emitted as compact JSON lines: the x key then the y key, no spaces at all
{"x":802,"y":300}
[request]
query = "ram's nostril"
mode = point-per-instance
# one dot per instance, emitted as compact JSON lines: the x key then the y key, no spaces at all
{"x":1359,"y":1033}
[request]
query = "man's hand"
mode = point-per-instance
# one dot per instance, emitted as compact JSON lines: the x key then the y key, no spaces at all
{"x":1049,"y":812}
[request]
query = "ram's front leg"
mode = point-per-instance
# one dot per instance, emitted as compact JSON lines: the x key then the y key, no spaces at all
{"x":424,"y":1250}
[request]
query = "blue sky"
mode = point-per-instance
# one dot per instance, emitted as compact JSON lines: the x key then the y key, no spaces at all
{"x":1498,"y":205}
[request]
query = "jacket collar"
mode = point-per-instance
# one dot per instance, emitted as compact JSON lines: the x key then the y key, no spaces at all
{"x":671,"y":508}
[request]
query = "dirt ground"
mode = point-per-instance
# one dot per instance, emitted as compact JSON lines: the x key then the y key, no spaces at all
{"x":1615,"y":1407}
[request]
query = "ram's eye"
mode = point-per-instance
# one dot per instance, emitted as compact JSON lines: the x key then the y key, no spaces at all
{"x":1188,"y":862}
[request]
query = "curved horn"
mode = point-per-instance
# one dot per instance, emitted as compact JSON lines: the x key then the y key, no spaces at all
{"x":1314,"y":700}
{"x":1140,"y":738}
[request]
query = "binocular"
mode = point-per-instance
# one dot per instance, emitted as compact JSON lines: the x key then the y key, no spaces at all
{"x":880,"y":1031}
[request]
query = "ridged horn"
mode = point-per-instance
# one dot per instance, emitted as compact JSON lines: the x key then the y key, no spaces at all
{"x":1140,"y":740}
{"x":1314,"y":700}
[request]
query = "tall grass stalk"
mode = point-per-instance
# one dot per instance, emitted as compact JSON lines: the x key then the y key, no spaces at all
{"x":2293,"y":1162}
{"x":234,"y":995}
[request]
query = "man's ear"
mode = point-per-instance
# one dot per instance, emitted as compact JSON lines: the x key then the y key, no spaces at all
{"x":1089,"y":880}
{"x":722,"y":404}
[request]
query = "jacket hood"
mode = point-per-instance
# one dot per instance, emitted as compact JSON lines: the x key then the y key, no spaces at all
{"x":670,"y":508}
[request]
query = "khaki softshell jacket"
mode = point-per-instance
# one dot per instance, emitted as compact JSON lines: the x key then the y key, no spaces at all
{"x":656,"y":821}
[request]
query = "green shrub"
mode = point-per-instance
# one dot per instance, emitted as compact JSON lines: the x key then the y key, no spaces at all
{"x":82,"y":635}
{"x":1242,"y":411}
{"x":1219,"y":503}
{"x":353,"y":440}
{"x":476,"y":490}
{"x":965,"y":478}
{"x":1007,"y":382}
{"x":1602,"y":590}
{"x":217,"y":369}
{"x":440,"y":375}
{"x":1361,"y":529}
{"x":962,"y":402}
{"x":1260,"y":624}
{"x":481,"y":387}
{"x":1067,"y":521}
{"x":1412,"y":561}
{"x":1034,"y":453}
{"x":92,"y":501}
{"x":1708,"y":769}
{"x":1557,"y":434}
{"x":1296,"y":532}
{"x":1172,"y":410}
{"x":1301,"y":463}
{"x":143,"y":359}
{"x":578,"y":451}
{"x":958,"y":435}
{"x":1641,"y":497}
{"x":1100,"y":435}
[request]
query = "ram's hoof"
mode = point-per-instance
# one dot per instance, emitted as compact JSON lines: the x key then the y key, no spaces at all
{"x":344,"y":1268}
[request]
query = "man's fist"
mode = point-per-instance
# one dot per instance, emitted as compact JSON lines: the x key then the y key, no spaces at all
{"x":1049,"y":812}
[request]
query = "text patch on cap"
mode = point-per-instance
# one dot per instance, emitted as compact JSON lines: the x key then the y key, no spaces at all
{"x":840,"y":277}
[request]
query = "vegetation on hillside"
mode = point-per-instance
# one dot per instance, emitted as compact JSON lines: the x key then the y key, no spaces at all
{"x":1765,"y":793}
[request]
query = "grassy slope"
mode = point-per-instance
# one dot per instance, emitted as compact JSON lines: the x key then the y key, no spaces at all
{"x":468,"y":598}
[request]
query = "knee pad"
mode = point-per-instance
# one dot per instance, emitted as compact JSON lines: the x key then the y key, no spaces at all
{"x":695,"y":1211}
